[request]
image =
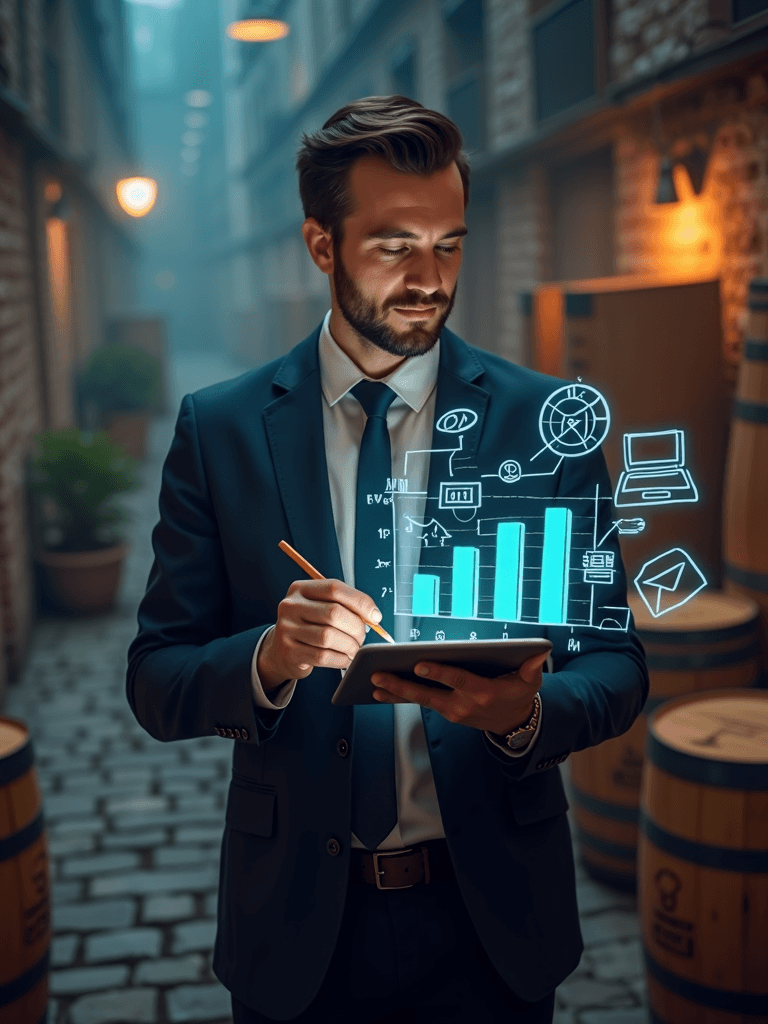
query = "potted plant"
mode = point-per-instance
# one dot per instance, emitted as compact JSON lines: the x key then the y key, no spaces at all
{"x":122,"y":382}
{"x":77,"y":475}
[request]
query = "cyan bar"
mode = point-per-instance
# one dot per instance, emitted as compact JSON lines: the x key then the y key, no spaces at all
{"x":555,"y":562}
{"x":508,"y":584}
{"x":426,"y":592}
{"x":466,"y":583}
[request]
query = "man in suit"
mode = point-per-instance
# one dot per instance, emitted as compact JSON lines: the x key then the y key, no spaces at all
{"x":408,"y":860}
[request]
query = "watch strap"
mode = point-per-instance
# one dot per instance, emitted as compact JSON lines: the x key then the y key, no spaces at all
{"x":527,"y":728}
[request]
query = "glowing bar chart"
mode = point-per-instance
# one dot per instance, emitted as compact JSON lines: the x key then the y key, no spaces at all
{"x":426,"y":594}
{"x":555,"y":563}
{"x":508,"y":579}
{"x":465,"y":587}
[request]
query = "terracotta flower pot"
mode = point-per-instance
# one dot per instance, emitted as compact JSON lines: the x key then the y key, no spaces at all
{"x":129,"y":429}
{"x":84,"y":581}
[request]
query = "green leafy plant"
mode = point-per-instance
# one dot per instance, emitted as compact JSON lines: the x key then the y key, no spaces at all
{"x":120,"y":378}
{"x":78,"y":474}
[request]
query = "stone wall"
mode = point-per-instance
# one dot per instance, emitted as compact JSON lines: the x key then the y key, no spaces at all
{"x":723,"y":231}
{"x":20,"y":413}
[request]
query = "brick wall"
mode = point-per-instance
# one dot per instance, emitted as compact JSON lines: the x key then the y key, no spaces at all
{"x":20,"y":415}
{"x":727,"y":230}
{"x":10,"y":58}
{"x":648,"y":34}
{"x":509,"y":72}
{"x":522,"y":251}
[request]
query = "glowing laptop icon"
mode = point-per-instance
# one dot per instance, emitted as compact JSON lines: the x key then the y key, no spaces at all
{"x":654,"y":470}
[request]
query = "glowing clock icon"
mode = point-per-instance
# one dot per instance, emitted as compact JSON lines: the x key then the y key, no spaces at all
{"x":574,"y":420}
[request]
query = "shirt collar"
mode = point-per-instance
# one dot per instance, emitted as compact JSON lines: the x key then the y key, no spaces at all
{"x":413,"y":380}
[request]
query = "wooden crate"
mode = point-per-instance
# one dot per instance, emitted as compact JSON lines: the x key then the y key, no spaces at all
{"x":653,"y":348}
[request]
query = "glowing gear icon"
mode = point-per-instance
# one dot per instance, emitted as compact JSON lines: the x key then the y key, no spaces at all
{"x":574,"y":420}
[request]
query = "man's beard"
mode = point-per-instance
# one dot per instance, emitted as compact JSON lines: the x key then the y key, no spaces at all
{"x":364,"y":316}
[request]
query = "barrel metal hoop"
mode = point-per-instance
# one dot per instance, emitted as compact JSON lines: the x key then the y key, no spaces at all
{"x":712,"y":998}
{"x":751,"y":412}
{"x":617,"y":812}
{"x":717,"y":659}
{"x":698,"y":637}
{"x":705,"y":770}
{"x":757,"y":350}
{"x":745,"y":578}
{"x":13,"y":990}
{"x":13,"y":844}
{"x":621,"y":851}
{"x":758,"y":305}
{"x":705,"y":855}
{"x":14,"y":766}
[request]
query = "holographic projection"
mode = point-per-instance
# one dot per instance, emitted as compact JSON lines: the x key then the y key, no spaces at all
{"x":654,"y":470}
{"x":537,"y":561}
{"x":490,"y":548}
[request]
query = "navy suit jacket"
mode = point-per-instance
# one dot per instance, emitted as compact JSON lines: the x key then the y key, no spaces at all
{"x":247,"y":468}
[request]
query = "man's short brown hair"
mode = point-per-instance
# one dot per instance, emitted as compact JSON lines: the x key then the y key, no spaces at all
{"x":408,"y":135}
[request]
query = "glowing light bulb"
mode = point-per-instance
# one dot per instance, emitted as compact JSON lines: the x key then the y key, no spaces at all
{"x":136,"y":195}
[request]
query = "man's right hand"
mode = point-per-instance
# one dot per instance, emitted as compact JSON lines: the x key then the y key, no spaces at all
{"x":318,"y":625}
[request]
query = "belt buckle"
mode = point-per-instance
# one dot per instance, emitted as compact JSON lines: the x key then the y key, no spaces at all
{"x":376,"y":872}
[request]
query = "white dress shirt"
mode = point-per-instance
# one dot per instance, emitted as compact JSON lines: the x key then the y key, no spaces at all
{"x":409,"y":420}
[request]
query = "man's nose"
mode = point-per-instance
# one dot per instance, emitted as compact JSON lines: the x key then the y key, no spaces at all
{"x":424,"y":274}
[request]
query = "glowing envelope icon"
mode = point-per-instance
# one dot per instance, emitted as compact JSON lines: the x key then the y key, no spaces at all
{"x":669,"y":581}
{"x":136,"y":195}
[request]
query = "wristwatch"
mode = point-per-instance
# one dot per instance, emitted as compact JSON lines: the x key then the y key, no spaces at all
{"x":520,"y":736}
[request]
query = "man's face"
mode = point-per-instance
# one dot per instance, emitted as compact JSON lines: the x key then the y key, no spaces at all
{"x":395,"y":271}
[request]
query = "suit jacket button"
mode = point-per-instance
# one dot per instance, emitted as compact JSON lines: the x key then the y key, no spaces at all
{"x":230,"y":734}
{"x":243,"y":734}
{"x":218,"y":730}
{"x":237,"y":734}
{"x":342,"y":747}
{"x":333,"y":846}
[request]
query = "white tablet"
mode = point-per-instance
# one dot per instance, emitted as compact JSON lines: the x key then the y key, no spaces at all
{"x":483,"y":657}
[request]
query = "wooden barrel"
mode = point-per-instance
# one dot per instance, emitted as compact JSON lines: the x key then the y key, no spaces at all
{"x":745,"y":538}
{"x":707,"y":644}
{"x":24,"y":883}
{"x":703,"y":859}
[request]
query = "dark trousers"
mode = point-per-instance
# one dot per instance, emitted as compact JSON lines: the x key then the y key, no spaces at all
{"x":409,"y":956}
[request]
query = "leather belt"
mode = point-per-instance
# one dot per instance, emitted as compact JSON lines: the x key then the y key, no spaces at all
{"x":422,"y":863}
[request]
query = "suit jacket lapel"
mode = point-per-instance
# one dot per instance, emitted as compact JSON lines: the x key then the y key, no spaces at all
{"x":294,"y":425}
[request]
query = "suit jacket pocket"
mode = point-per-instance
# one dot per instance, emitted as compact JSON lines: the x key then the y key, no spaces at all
{"x":251,"y":807}
{"x":538,"y":797}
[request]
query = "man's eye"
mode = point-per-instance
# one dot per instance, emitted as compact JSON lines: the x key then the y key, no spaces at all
{"x":448,"y":249}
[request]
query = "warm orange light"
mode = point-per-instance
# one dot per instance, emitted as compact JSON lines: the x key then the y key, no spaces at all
{"x":52,"y":191}
{"x":136,"y":195}
{"x":548,"y":313}
{"x":258,"y":30}
{"x":688,"y":233}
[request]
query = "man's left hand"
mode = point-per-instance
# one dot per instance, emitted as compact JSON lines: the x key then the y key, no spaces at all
{"x":496,"y":705}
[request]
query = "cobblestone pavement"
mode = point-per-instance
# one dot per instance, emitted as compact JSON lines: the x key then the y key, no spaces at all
{"x":134,"y":825}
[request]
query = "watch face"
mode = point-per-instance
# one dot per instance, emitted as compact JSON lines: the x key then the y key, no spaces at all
{"x":520,"y":740}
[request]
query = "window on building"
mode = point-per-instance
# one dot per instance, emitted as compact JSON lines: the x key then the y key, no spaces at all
{"x":403,"y":69}
{"x":564,"y":56}
{"x":582,"y":210}
{"x":465,"y":62}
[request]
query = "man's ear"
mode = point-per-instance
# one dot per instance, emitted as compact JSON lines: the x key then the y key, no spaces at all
{"x":319,"y":243}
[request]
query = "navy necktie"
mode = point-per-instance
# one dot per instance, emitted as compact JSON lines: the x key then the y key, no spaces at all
{"x":374,"y":800}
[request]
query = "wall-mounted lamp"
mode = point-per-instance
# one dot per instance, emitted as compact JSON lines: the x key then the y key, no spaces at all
{"x":136,"y":195}
{"x":258,"y":30}
{"x":665,"y":190}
